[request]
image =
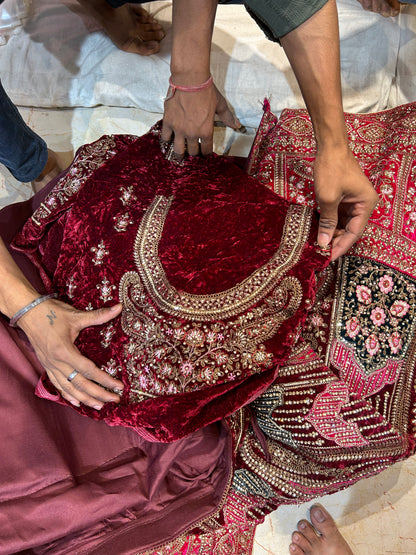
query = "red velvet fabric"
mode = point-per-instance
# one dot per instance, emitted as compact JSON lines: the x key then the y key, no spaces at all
{"x":222,"y":232}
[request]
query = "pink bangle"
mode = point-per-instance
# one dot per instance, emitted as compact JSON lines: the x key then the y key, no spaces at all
{"x":192,"y":88}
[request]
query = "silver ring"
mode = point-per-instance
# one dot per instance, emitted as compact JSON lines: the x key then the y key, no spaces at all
{"x":72,"y":375}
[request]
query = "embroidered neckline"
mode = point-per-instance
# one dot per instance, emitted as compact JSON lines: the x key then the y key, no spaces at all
{"x":224,"y":304}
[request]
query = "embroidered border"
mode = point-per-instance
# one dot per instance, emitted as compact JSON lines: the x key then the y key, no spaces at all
{"x":227,"y":303}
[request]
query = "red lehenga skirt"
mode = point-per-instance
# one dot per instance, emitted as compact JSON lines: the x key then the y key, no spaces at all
{"x":335,"y":405}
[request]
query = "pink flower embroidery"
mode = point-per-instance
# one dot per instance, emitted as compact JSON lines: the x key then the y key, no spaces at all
{"x":385,"y":283}
{"x":395,"y":342}
{"x":363,"y":294}
{"x":378,"y":316}
{"x":399,"y":309}
{"x":187,"y":368}
{"x":353,"y":327}
{"x":372,"y":344}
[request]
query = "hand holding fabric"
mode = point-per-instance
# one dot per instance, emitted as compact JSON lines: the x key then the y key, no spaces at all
{"x":52,"y":328}
{"x":346,"y":199}
{"x":189,"y":120}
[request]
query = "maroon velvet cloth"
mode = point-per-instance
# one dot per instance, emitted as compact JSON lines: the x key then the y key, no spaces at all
{"x":219,"y":239}
{"x":70,"y":484}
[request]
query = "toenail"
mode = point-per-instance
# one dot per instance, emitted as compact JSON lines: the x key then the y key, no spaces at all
{"x":318,"y":513}
{"x":302,"y":525}
{"x":296,"y":537}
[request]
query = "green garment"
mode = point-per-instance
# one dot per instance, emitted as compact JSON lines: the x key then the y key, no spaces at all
{"x":279,"y":17}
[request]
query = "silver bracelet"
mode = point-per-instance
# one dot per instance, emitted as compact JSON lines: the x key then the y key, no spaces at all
{"x":14,"y":319}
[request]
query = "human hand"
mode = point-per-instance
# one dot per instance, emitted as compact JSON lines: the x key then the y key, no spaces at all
{"x":346,"y":199}
{"x":52,"y":328}
{"x":189,"y":120}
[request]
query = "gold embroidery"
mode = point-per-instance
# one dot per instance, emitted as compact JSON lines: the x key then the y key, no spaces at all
{"x":167,"y":355}
{"x":208,"y":339}
{"x":227,"y":303}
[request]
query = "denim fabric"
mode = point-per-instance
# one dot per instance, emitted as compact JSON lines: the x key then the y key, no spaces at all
{"x":22,"y":151}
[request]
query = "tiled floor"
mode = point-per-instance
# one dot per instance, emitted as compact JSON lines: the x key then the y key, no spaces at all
{"x":377,"y":516}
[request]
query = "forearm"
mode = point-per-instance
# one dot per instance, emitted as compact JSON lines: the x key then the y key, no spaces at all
{"x":193,"y":23}
{"x":313,"y":51}
{"x":15,"y":290}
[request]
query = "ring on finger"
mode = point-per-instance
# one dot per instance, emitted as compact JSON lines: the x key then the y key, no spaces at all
{"x":72,"y":375}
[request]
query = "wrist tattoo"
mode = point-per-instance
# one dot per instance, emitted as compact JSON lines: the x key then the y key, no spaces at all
{"x":51,"y":316}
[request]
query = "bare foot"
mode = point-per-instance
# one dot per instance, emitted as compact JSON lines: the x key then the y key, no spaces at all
{"x":323,"y":538}
{"x":130,"y":27}
{"x":55,"y":164}
{"x":387,"y":8}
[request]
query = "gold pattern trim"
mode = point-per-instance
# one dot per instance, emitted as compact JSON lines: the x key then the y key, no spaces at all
{"x":227,"y":303}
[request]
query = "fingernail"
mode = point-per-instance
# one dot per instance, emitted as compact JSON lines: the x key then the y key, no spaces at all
{"x":323,"y":239}
{"x":75,"y":403}
{"x":118,"y":391}
{"x":98,"y":407}
{"x":318,"y":513}
{"x":241,"y":129}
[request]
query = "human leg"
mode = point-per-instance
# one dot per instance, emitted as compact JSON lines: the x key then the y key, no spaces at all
{"x":318,"y":537}
{"x":22,"y":151}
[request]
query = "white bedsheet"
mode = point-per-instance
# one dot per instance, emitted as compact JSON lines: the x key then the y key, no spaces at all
{"x":60,"y":59}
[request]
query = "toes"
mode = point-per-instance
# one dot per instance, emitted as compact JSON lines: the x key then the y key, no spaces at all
{"x":300,"y":543}
{"x":139,"y":46}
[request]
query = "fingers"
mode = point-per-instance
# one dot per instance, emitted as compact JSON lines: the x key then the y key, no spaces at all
{"x":88,"y":385}
{"x":97,"y":317}
{"x":328,"y":220}
{"x":188,"y":121}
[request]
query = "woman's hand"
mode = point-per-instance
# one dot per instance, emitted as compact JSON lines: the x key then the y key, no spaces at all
{"x":52,"y":328}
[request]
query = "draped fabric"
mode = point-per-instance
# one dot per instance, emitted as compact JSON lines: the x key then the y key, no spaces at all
{"x":339,"y":407}
{"x":215,"y":272}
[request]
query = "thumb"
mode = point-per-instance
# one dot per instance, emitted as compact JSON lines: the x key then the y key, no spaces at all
{"x":99,"y":316}
{"x":225,"y":114}
{"x":328,"y":220}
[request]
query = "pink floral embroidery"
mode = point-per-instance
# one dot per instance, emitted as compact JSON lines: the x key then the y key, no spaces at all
{"x":378,"y":316}
{"x":372,"y":344}
{"x":353,"y":327}
{"x":363,"y":294}
{"x":187,"y":368}
{"x":386,"y":284}
{"x":395,"y":342}
{"x":399,"y":308}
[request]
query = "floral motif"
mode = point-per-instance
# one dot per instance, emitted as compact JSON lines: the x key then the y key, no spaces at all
{"x":386,"y":283}
{"x":395,"y":342}
{"x":166,"y":355}
{"x":122,"y":222}
{"x":107,"y":335}
{"x":372,"y":344}
{"x":377,"y":317}
{"x":399,"y":309}
{"x":99,"y":253}
{"x":363,"y":294}
{"x":127,"y":195}
{"x":353,"y":327}
{"x":106,"y":290}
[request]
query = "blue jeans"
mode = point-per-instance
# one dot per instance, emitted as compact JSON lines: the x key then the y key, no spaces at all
{"x":22,"y":151}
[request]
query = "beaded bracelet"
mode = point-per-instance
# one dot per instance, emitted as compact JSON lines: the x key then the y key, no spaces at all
{"x":14,"y":319}
{"x":190,"y":88}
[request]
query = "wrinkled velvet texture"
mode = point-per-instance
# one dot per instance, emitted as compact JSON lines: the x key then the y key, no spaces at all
{"x":71,"y":484}
{"x":222,"y":225}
